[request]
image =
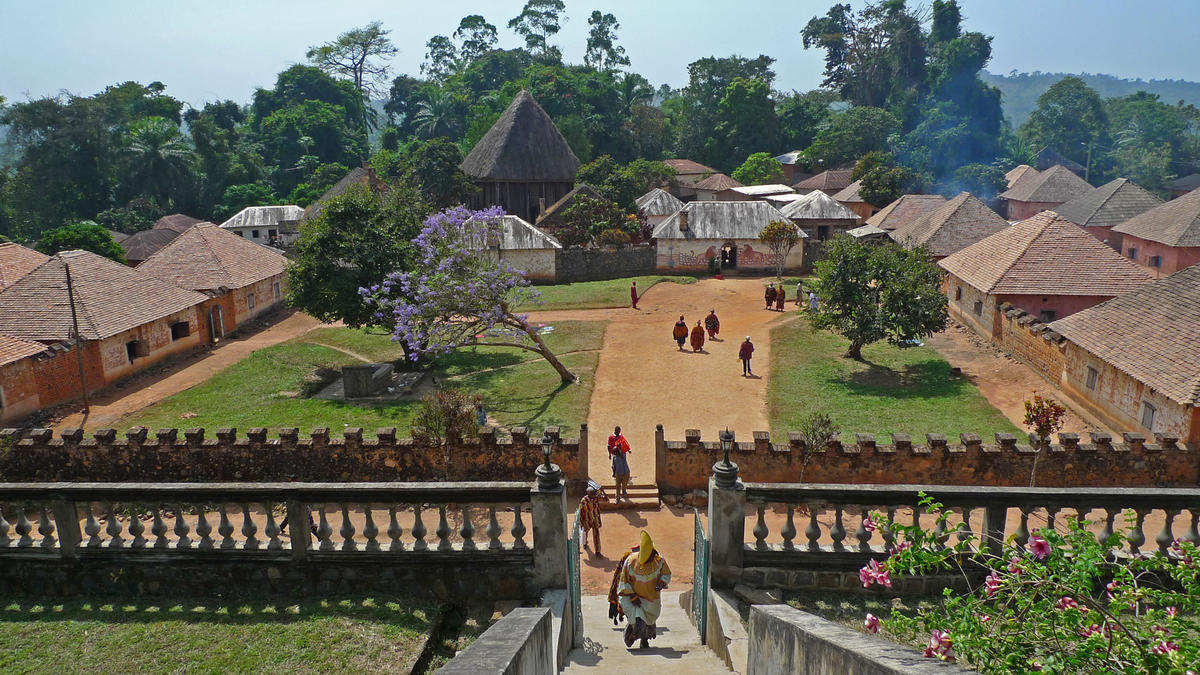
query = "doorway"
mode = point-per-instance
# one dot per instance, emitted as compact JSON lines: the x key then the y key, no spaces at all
{"x":729,"y":256}
{"x":216,"y":323}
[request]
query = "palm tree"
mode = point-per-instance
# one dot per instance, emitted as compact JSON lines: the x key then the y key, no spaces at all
{"x":160,"y":159}
{"x":439,"y":114}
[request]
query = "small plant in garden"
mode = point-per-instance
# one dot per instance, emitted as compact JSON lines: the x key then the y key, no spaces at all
{"x":1059,"y":603}
{"x":817,"y":430}
{"x":1044,"y":417}
{"x":444,"y":416}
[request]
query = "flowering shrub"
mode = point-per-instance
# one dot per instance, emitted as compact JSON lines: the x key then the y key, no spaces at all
{"x":1058,"y":605}
{"x":1043,"y":416}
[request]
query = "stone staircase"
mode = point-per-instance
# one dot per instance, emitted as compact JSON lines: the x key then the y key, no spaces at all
{"x":642,"y":497}
{"x":677,"y":648}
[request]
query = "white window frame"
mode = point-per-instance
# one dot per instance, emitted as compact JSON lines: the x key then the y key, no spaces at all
{"x":1093,"y":378}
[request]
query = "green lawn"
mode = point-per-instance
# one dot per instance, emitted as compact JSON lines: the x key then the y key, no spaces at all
{"x":598,"y":294}
{"x":135,"y":635}
{"x":269,"y":388}
{"x":905,"y":390}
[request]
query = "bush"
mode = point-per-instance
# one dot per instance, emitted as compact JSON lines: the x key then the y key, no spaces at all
{"x":445,"y":416}
{"x":614,"y":237}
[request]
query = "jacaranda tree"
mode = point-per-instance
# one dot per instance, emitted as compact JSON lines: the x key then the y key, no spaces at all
{"x":458,"y":292}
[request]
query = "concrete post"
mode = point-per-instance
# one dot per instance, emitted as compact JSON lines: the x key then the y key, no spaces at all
{"x":660,"y":454}
{"x":582,"y":471}
{"x":301,"y":536}
{"x":549,"y":535}
{"x":726,"y":532}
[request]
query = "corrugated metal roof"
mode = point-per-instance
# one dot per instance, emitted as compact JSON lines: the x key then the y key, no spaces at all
{"x":263,"y":216}
{"x":719,"y":220}
{"x":817,"y":206}
{"x":519,"y":234}
{"x":867,"y":231}
{"x":763,"y":190}
{"x":658,"y":202}
{"x":788,"y":157}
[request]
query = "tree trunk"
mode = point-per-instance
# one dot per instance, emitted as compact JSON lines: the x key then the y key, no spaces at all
{"x":854,"y":351}
{"x":567,"y":376}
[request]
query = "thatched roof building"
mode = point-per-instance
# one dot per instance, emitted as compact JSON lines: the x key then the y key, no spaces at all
{"x":522,"y":162}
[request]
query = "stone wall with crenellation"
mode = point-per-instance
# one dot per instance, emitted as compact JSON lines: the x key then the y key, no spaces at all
{"x":171,"y":455}
{"x":686,"y":465}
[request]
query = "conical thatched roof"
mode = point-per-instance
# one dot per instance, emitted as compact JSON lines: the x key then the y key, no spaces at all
{"x":523,"y":145}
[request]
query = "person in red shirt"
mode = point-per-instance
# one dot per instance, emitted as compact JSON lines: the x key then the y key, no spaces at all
{"x":618,"y":447}
{"x":633,"y":294}
{"x":745,"y":353}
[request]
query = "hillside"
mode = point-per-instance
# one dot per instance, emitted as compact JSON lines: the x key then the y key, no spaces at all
{"x":1021,"y":90}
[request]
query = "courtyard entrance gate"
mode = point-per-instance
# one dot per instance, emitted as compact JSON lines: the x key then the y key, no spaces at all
{"x":574,"y":581}
{"x":700,"y":577}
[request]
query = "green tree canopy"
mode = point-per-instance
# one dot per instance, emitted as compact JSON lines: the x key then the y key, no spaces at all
{"x":758,"y":169}
{"x":746,"y":123}
{"x":780,"y":236}
{"x":603,"y":52}
{"x":883,"y":181}
{"x":539,"y":21}
{"x":852,"y":134}
{"x":84,"y":235}
{"x":1069,"y":116}
{"x":870,"y":292}
{"x":360,"y":55}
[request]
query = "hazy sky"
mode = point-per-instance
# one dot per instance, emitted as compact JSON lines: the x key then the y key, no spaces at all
{"x":220,"y":49}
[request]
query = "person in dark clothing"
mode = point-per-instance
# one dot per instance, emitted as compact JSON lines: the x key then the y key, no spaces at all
{"x":780,"y":298}
{"x":680,"y":332}
{"x":633,"y":296}
{"x":769,"y":294}
{"x":745,"y":353}
{"x":712,"y":324}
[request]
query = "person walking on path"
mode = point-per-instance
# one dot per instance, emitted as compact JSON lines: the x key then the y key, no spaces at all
{"x":799,"y":292}
{"x":780,"y":298}
{"x":712,"y":324}
{"x":618,"y":447}
{"x":589,"y":515}
{"x":745,"y":353}
{"x":813,"y":300}
{"x":769,"y":294}
{"x":680,"y":332}
{"x":644,"y":575}
{"x":633,"y":294}
{"x":697,"y":337}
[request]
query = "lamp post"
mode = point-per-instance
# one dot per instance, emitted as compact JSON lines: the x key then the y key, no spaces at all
{"x":548,"y":475}
{"x":726,"y":472}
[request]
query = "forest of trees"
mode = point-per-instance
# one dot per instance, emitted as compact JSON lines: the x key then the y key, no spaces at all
{"x":901,"y":88}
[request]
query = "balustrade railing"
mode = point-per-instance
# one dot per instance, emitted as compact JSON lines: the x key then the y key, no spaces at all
{"x":296,"y":520}
{"x":801,"y":520}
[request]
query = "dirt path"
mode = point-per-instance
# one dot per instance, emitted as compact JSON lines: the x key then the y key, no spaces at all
{"x":1005,"y":382}
{"x":643,"y":379}
{"x":116,"y":402}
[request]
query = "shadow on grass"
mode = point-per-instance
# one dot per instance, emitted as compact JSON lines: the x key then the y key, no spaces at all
{"x":931,"y":379}
{"x":529,"y":408}
{"x":466,"y":361}
{"x":403,"y":612}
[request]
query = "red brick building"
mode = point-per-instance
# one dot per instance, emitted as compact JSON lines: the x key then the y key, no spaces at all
{"x":18,"y":378}
{"x":16,"y":261}
{"x":953,"y":226}
{"x":1107,"y":206}
{"x":905,"y":210}
{"x":245,"y":278}
{"x":830,"y":182}
{"x":1132,"y":360}
{"x":1034,"y":192}
{"x":1045,"y":266}
{"x":1164,"y":239}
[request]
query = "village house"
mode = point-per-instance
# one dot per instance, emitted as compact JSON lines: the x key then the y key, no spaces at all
{"x":656,"y":205}
{"x":16,"y":261}
{"x":522,"y":163}
{"x":244,"y":279}
{"x":1164,"y":239}
{"x":748,"y":192}
{"x":851,"y":199}
{"x":550,"y":219}
{"x":951,"y":227}
{"x":1183,"y":185}
{"x":263,"y":224}
{"x":1016,"y":173}
{"x":1033,"y":193}
{"x":1111,"y":204}
{"x":708,"y":189}
{"x":527,"y":248}
{"x":127,"y":320}
{"x":1045,"y":266}
{"x":687,"y":175}
{"x":904,"y":210}
{"x":727,"y":231}
{"x":19,"y":374}
{"x":142,"y":245}
{"x":362,"y":176}
{"x":819,"y":216}
{"x":830,"y":182}
{"x":1132,"y":360}
{"x":789,"y":161}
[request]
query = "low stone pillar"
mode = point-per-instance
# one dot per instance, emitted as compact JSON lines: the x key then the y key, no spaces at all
{"x":726,"y":532}
{"x":549,"y":499}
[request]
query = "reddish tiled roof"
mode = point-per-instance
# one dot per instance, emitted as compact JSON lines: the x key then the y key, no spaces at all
{"x":717,"y":182}
{"x":1014,"y":174}
{"x":831,"y":180}
{"x":849,"y":193}
{"x":146,"y":243}
{"x":206,"y":258}
{"x":1175,"y":223}
{"x":1110,"y":204}
{"x":1045,"y":255}
{"x":13,"y":349}
{"x":16,"y":261}
{"x":176,"y":222}
{"x":109,"y":298}
{"x":687,"y":166}
{"x":1057,"y":184}
{"x":1149,"y":334}
{"x":955,"y":225}
{"x":905,"y":210}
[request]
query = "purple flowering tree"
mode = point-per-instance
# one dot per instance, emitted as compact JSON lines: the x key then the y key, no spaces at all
{"x":459,"y":293}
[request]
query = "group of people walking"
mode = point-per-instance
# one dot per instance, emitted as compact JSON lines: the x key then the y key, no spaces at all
{"x":712,"y":326}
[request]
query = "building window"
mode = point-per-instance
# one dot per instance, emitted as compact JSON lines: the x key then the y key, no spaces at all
{"x":180,"y":330}
{"x":239,"y":233}
{"x":1093,"y":377}
{"x":250,"y":300}
{"x":135,"y":349}
{"x":958,"y":293}
{"x":1133,"y":253}
{"x":271,"y":234}
{"x":1047,"y":315}
{"x":1148,"y":412}
{"x":276,"y":290}
{"x":254,"y":234}
{"x":978,"y":308}
{"x":1155,"y":261}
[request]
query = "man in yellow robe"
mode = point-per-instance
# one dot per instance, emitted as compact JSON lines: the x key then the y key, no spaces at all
{"x":644,"y":575}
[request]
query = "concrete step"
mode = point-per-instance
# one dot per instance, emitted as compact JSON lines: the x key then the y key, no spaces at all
{"x":641,"y":497}
{"x":634,"y":504}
